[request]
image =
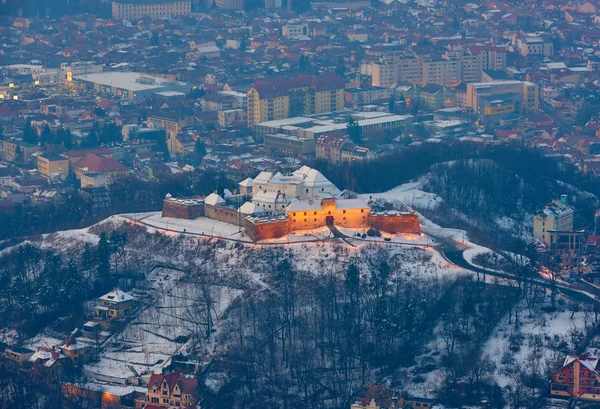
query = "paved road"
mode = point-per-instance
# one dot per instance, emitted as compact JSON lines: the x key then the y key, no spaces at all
{"x":456,"y":257}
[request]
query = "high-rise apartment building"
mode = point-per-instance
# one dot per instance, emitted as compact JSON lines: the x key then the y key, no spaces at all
{"x":479,"y":58}
{"x":449,"y":69}
{"x":384,"y":73}
{"x":300,"y":95}
{"x":440,"y":71}
{"x":410,"y":68}
{"x":134,"y":9}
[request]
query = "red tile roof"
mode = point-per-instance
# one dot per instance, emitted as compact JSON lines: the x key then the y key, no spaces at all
{"x":96,"y":164}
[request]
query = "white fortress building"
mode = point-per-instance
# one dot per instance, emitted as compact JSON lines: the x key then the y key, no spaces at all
{"x":274,"y":192}
{"x":272,"y":205}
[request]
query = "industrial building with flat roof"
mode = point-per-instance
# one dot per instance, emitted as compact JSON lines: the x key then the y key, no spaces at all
{"x":132,"y":86}
{"x":334,"y":124}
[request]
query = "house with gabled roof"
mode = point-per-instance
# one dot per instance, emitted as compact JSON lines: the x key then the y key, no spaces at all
{"x":578,"y":377}
{"x":95,"y":164}
{"x":114,"y":305}
{"x":170,"y":391}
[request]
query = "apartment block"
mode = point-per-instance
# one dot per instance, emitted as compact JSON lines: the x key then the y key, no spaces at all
{"x":410,"y":68}
{"x":477,"y":59}
{"x":300,"y":95}
{"x":384,"y":73}
{"x":446,"y":72}
{"x":134,"y":9}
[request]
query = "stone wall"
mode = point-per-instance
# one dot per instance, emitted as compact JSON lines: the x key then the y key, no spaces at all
{"x":183,"y":208}
{"x":398,"y":223}
{"x":223,"y":214}
{"x":270,"y":229}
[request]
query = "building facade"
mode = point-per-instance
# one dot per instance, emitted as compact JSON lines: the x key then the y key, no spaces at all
{"x":51,"y":164}
{"x":132,"y":9}
{"x":527,"y":90}
{"x":577,"y":378}
{"x":173,"y":390}
{"x":300,"y":95}
{"x":557,"y":216}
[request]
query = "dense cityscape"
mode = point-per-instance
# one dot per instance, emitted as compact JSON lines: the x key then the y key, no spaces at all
{"x":362,"y":204}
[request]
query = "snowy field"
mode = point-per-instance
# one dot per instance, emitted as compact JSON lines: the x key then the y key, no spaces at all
{"x":201,"y":225}
{"x":409,"y":194}
{"x":536,"y":339}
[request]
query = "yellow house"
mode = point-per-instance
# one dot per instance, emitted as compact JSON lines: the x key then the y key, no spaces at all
{"x":180,"y":145}
{"x":49,"y":164}
{"x":114,"y":305}
{"x":75,"y":351}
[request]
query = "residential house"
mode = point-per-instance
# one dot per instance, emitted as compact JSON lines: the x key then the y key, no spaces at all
{"x":114,"y":305}
{"x":17,"y":357}
{"x":352,"y":153}
{"x":48,"y":365}
{"x":78,"y":352}
{"x":181,"y":144}
{"x":229,"y":117}
{"x":329,"y":147}
{"x":173,"y":390}
{"x":577,"y":378}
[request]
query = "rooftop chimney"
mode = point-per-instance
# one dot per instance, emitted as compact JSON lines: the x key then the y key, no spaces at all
{"x":563,"y":199}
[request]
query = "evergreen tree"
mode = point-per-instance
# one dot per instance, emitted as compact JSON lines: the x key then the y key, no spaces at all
{"x":392,"y":104}
{"x":161,"y":146}
{"x":304,"y":63}
{"x":200,"y":148}
{"x":73,"y":287}
{"x":340,"y":69}
{"x":47,"y":136}
{"x":64,"y":137}
{"x":111,"y":133}
{"x":103,"y":262}
{"x":354,"y":131}
{"x":49,"y":282}
{"x":29,"y":134}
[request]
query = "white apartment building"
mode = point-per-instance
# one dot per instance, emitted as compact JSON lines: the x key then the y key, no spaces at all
{"x":135,"y":9}
{"x":384,"y":73}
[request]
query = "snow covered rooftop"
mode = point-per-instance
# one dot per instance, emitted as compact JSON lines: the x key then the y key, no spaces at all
{"x":249,"y":208}
{"x":117,"y":295}
{"x":246,"y":182}
{"x":214,"y":199}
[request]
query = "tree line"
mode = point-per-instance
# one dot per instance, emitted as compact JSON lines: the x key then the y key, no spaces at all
{"x":38,"y":286}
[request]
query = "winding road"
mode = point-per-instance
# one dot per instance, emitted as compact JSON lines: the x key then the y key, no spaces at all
{"x":455,"y":256}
